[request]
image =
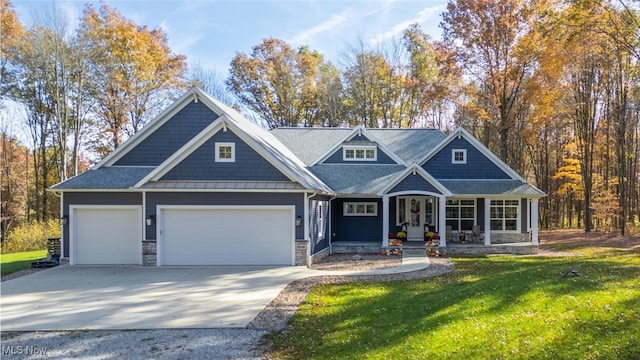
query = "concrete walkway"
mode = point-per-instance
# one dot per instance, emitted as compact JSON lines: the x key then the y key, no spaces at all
{"x":136,"y":297}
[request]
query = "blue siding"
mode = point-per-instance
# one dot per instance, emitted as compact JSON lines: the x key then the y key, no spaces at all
{"x":317,"y":242}
{"x":478,"y":166}
{"x":356,"y":228}
{"x":91,"y":198}
{"x":203,"y":198}
{"x":248,"y":165}
{"x":171,"y":136}
{"x":414,"y":182}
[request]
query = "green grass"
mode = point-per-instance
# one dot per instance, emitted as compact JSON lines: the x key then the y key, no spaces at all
{"x":10,"y":263}
{"x":500,"y":307}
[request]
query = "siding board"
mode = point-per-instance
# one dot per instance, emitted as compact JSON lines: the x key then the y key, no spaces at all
{"x":478,"y":166}
{"x":170,"y":137}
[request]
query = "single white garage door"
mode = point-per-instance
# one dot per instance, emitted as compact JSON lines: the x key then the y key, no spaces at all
{"x":227,"y":236}
{"x":106,"y":235}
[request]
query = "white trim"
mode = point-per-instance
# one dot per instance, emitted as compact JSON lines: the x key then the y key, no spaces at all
{"x":160,"y":222}
{"x":454,"y":152}
{"x":416,"y":169}
{"x":354,"y":204}
{"x":231,"y":145}
{"x":355,"y":149}
{"x":182,"y":153}
{"x":73,"y":246}
{"x":518,"y":217}
{"x":62,"y":226}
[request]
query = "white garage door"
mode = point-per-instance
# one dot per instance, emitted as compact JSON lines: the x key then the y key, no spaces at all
{"x":106,"y":235}
{"x":226,"y":236}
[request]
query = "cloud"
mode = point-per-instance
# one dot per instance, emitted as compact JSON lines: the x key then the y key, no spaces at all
{"x":329,"y":24}
{"x":422,"y":16}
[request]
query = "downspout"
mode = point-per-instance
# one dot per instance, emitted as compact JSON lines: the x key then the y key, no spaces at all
{"x":331,"y":223}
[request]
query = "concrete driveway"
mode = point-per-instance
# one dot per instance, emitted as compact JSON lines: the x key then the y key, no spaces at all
{"x":136,"y":297}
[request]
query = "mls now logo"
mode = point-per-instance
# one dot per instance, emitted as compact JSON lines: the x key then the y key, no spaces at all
{"x":23,"y":350}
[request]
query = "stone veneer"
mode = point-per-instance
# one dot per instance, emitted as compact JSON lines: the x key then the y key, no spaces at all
{"x":508,"y":238}
{"x":149,"y":252}
{"x":302,"y":252}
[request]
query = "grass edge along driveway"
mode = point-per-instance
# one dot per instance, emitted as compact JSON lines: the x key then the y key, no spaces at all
{"x":13,"y":262}
{"x":498,"y":307}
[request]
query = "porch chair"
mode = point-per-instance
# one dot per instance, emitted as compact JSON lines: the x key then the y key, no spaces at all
{"x":476,"y":235}
{"x":449,"y":234}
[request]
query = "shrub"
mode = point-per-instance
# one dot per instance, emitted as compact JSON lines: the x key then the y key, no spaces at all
{"x":31,"y":236}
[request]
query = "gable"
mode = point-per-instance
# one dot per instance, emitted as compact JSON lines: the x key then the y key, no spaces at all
{"x":476,"y":166}
{"x":414,"y":182}
{"x":360,"y":142}
{"x":169,"y":137}
{"x":248,"y":165}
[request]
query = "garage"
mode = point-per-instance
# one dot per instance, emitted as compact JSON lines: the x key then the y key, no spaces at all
{"x":226,"y":235}
{"x":106,"y":235}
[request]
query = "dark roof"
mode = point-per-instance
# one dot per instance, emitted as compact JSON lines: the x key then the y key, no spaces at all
{"x":491,"y":187}
{"x":113,"y":177}
{"x":363,"y":180}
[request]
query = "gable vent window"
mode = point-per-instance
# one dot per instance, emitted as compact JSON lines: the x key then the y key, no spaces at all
{"x":459,"y":156}
{"x":225,"y":152}
{"x":360,"y":153}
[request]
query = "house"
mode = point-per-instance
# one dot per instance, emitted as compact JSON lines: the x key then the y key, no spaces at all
{"x":202,"y":185}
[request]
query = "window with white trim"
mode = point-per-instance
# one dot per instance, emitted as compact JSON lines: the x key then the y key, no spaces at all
{"x":359,"y":153}
{"x":225,"y":152}
{"x":504,"y":215}
{"x":360,"y":209}
{"x":459,"y":156}
{"x":461,"y":214}
{"x":320,"y":221}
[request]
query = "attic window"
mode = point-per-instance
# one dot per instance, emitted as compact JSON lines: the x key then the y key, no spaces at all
{"x":359,"y":153}
{"x":459,"y":156}
{"x":225,"y":152}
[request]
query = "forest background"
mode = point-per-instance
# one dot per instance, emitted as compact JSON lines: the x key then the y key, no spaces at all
{"x":551,"y":86}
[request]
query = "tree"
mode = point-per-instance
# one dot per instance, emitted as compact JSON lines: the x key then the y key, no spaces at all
{"x":280,"y":84}
{"x":495,"y":43}
{"x":11,"y":31}
{"x":134,"y":69}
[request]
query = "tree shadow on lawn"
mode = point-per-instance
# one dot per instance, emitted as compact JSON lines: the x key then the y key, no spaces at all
{"x":504,"y":306}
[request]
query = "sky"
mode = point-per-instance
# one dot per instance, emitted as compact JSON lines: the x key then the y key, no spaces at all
{"x":210,"y":32}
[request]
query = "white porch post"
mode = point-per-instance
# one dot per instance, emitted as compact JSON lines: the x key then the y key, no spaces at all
{"x":534,"y":222}
{"x":487,"y":221}
{"x":442,"y":220}
{"x":385,"y":221}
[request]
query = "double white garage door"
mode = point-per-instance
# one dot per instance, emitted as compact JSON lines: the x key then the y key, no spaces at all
{"x":204,"y":235}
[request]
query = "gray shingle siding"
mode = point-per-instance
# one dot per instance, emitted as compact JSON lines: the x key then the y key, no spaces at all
{"x":203,"y":198}
{"x":478,"y":166}
{"x":414,"y":183}
{"x":248,"y":164}
{"x":94,"y":198}
{"x":171,"y":136}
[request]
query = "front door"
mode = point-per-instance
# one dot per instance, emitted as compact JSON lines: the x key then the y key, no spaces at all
{"x":411,"y":213}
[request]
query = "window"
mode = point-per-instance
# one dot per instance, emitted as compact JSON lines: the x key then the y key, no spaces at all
{"x":461,"y":214}
{"x":359,"y":153}
{"x":225,"y":152}
{"x":459,"y":156}
{"x":320,"y":222}
{"x":504,"y":215}
{"x":360,"y":209}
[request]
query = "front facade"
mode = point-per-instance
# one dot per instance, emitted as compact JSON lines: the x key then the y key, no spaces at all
{"x":201,"y":185}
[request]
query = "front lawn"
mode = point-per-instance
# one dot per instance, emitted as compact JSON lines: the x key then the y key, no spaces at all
{"x":501,"y":307}
{"x":10,"y":263}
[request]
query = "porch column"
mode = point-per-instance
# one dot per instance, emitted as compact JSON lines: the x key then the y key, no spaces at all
{"x":534,"y":222}
{"x":442,"y":220}
{"x":385,"y":221}
{"x":487,"y":221}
